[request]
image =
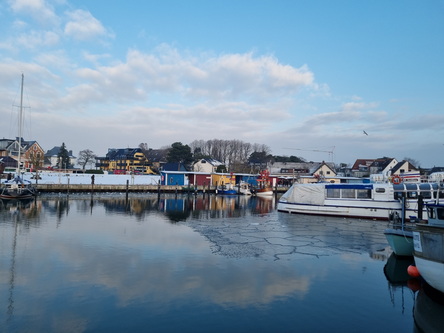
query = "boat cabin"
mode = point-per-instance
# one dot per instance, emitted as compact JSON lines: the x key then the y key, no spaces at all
{"x":436,"y":214}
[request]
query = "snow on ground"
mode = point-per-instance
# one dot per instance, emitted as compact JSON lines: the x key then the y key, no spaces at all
{"x":85,"y":179}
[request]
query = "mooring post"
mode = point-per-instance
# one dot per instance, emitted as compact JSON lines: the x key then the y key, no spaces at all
{"x":127,"y":189}
{"x":92,"y":186}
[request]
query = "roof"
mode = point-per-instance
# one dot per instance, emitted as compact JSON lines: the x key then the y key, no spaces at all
{"x":173,"y":167}
{"x":55,"y":152}
{"x":400,"y":164}
{"x":8,"y":161}
{"x":320,"y":165}
{"x":362,"y":162}
{"x":382,"y":163}
{"x":211,"y":161}
{"x":122,"y":153}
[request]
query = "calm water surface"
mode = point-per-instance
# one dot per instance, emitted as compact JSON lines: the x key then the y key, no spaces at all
{"x":199,"y":264}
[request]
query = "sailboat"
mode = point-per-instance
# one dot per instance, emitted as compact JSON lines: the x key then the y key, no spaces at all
{"x":17,"y":188}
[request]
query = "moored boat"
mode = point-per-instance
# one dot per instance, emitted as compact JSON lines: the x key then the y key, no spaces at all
{"x":244,"y":188}
{"x":429,"y":247}
{"x":400,"y":235}
{"x":226,"y":189}
{"x":362,"y":200}
{"x":264,"y":188}
{"x":17,"y":188}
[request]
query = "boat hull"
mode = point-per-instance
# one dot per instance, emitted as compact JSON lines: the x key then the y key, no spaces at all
{"x":17,"y":193}
{"x":401,"y":241}
{"x":429,"y":254}
{"x":368,"y":212}
{"x":264,"y":192}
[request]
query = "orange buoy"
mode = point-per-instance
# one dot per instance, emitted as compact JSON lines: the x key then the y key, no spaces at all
{"x":413,"y":271}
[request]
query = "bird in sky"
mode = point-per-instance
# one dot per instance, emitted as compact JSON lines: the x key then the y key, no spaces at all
{"x":365,"y":132}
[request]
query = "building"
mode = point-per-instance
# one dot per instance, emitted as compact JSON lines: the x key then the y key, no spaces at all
{"x":361,"y":167}
{"x":125,"y":160}
{"x":207,"y":165}
{"x":32,"y":155}
{"x":52,"y":159}
{"x":407,"y":171}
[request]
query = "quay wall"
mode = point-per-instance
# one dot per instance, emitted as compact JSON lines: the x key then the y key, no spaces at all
{"x":74,"y":188}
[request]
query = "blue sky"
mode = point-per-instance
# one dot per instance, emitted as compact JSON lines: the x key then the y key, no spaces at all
{"x":306,"y":75}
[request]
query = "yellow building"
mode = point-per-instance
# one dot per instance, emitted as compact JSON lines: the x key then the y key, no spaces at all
{"x":223,"y":179}
{"x":125,"y":160}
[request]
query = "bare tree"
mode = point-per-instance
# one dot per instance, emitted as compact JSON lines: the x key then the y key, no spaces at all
{"x":232,"y":153}
{"x":86,"y":157}
{"x":144,"y":147}
{"x":412,"y":161}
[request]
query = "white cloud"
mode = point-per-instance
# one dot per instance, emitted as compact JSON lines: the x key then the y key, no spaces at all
{"x":39,"y":10}
{"x":37,"y":39}
{"x":83,"y":26}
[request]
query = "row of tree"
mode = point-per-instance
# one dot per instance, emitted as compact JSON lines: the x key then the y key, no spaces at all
{"x":235,"y":155}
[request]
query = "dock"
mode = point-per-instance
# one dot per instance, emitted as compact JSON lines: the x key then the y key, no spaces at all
{"x":81,"y":188}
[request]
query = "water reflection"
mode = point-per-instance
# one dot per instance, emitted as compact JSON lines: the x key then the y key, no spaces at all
{"x":429,"y":311}
{"x":176,"y":208}
{"x":188,"y":263}
{"x":400,"y":283}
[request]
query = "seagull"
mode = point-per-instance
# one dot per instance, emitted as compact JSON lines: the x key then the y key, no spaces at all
{"x":365,"y":132}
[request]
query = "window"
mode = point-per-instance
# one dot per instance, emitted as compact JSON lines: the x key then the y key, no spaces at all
{"x":333,"y":193}
{"x":431,"y":212}
{"x":364,"y":194}
{"x":349,"y":193}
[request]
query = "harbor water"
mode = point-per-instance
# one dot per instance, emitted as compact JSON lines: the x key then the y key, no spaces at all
{"x":199,"y":263}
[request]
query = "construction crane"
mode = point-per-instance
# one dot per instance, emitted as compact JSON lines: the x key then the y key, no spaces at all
{"x":330,"y":152}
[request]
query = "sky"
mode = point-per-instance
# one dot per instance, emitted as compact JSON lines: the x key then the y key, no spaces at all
{"x":332,"y":80}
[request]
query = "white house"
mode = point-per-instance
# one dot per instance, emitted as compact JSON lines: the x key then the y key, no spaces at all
{"x":207,"y":165}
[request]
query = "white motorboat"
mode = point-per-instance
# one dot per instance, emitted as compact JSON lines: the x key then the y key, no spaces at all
{"x":244,"y":188}
{"x":362,"y":200}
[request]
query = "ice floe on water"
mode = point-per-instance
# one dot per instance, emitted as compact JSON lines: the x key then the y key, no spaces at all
{"x":284,"y":236}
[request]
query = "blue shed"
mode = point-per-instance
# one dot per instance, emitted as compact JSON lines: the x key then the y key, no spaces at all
{"x":174,"y":178}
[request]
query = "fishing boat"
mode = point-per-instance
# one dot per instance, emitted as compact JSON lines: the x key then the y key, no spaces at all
{"x":361,"y":200}
{"x":264,"y":185}
{"x":18,"y":188}
{"x":429,"y":247}
{"x":227,"y":189}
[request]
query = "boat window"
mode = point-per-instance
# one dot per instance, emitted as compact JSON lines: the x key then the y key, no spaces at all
{"x":426,"y":195}
{"x":380,"y":190}
{"x":333,"y":193}
{"x":364,"y":194}
{"x":431,"y":213}
{"x":412,"y":195}
{"x":349,"y":193}
{"x":440,"y":212}
{"x":397,"y":195}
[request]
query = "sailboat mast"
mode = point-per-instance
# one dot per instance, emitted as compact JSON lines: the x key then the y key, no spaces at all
{"x":20,"y":125}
